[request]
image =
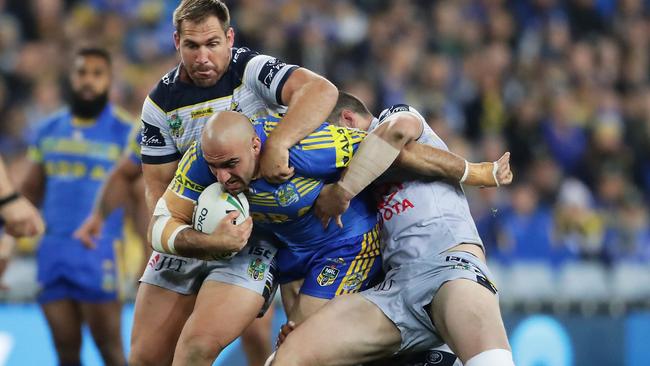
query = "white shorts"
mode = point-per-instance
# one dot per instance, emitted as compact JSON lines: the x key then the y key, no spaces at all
{"x":253,"y":268}
{"x":406,"y":293}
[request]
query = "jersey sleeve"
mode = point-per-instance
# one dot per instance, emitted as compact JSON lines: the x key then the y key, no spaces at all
{"x":34,"y":152}
{"x":266,"y":76}
{"x":192,"y":174}
{"x":34,"y":142}
{"x":157,"y":144}
{"x":396,"y":110}
{"x":326,"y":152}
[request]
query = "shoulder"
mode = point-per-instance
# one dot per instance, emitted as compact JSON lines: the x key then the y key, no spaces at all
{"x":193,"y":164}
{"x":122,"y":116}
{"x":53,"y":121}
{"x":396,"y":109}
{"x":240,"y":58}
{"x":402,"y":119}
{"x":193,"y":153}
{"x":265,"y":125}
{"x":159,"y":95}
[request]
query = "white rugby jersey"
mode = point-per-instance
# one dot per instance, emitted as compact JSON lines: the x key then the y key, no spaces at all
{"x":174,"y":113}
{"x":421,"y":219}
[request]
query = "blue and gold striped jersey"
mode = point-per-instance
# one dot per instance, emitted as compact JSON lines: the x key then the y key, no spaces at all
{"x":285,"y":208}
{"x":77,"y":158}
{"x":133,"y":145}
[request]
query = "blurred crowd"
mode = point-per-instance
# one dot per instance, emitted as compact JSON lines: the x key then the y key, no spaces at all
{"x":563,"y":85}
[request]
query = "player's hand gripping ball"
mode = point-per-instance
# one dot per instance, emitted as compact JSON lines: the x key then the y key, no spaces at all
{"x":213,"y":205}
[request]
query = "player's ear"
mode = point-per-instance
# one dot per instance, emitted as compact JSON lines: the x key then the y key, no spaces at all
{"x":347,"y":119}
{"x":177,"y":40}
{"x":257,"y":145}
{"x":230,"y":36}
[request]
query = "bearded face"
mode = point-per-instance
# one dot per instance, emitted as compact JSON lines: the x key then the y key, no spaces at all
{"x":90,"y":84}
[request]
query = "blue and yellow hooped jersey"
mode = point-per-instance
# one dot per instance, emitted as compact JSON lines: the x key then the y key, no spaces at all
{"x":77,"y":158}
{"x":285,"y":208}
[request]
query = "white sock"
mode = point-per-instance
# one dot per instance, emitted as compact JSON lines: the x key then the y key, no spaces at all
{"x":270,"y":359}
{"x":492,"y":357}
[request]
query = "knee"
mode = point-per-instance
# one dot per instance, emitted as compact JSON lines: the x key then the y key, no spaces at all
{"x":288,"y":354}
{"x":137,"y":359}
{"x":68,"y":353}
{"x":285,"y":358}
{"x":199,"y":348}
{"x":112,"y":354}
{"x":110,"y":345}
{"x":142,"y":357}
{"x":258,"y":334}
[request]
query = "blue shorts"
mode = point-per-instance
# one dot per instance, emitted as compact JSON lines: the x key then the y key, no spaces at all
{"x":338,"y":268}
{"x":68,"y":270}
{"x":64,"y":289}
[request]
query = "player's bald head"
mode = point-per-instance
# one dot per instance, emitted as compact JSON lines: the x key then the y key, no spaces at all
{"x":231,"y":149}
{"x":226,"y":128}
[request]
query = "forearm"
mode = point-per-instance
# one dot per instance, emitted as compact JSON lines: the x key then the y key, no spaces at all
{"x":193,"y":244}
{"x":308,"y":108}
{"x":429,"y":161}
{"x":172,"y":232}
{"x":373,"y":157}
{"x":378,"y":151}
{"x":175,"y":235}
{"x":33,"y":183}
{"x":7,"y":244}
{"x":6,"y":186}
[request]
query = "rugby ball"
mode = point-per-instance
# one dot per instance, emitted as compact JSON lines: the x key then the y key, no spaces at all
{"x":213,"y":205}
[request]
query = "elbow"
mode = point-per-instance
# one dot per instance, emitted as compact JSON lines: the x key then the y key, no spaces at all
{"x":305,"y":85}
{"x":396,"y":134}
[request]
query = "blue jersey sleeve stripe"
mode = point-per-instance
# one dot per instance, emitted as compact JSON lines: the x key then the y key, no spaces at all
{"x":262,"y":203}
{"x":308,"y":187}
{"x":320,"y":146}
{"x":311,"y":140}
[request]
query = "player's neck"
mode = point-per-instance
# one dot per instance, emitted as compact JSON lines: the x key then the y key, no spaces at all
{"x":83,"y":122}
{"x":366,"y":124}
{"x":256,"y":174}
{"x":184,"y":75}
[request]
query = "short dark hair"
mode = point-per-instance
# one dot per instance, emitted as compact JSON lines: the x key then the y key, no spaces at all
{"x":197,"y":10}
{"x":347,"y":101}
{"x":94,"y":51}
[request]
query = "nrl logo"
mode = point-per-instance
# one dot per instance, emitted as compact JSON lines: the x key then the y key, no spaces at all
{"x":328,"y":275}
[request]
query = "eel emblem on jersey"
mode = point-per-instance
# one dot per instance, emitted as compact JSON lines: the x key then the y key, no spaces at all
{"x":287,"y":194}
{"x":352,"y":283}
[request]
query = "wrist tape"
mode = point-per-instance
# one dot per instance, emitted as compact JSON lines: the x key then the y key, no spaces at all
{"x":373,"y":157}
